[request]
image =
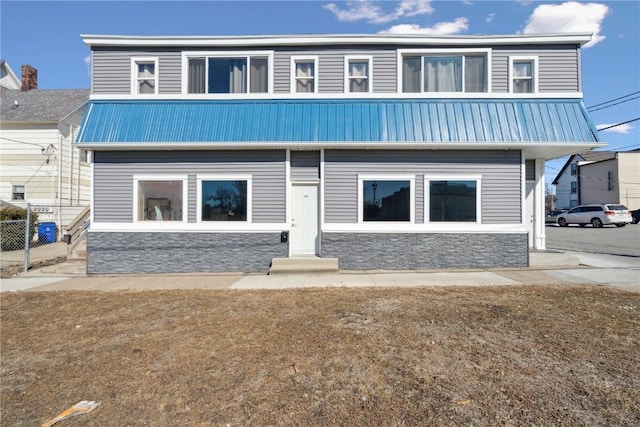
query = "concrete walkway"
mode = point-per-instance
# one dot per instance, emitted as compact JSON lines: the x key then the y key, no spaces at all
{"x":613,"y":271}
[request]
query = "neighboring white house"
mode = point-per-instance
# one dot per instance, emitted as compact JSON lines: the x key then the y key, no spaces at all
{"x":612,"y":180}
{"x":566,"y":182}
{"x":8,"y":78}
{"x":39,"y":162}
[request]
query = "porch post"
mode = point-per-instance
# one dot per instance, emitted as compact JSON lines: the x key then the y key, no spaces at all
{"x":539,"y":237}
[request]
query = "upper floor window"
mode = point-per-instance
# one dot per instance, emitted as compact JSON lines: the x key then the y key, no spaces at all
{"x":304,"y":74}
{"x":574,"y":168}
{"x":221,"y":74}
{"x":357,"y":74}
{"x":144,"y":77}
{"x":444,"y":72}
{"x":523,"y":74}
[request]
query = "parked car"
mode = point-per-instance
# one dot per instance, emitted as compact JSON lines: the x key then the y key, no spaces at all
{"x":552,"y":216}
{"x":597,"y":215}
{"x":635,"y":216}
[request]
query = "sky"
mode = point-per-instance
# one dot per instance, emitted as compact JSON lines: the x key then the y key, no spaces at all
{"x":46,"y":35}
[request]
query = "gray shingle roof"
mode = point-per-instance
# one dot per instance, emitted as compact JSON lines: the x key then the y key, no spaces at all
{"x":49,"y":105}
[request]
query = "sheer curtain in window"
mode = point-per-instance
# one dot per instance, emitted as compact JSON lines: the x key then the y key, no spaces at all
{"x":237,"y":73}
{"x":196,"y":75}
{"x":443,"y":74}
{"x":358,"y":76}
{"x":259,"y":75}
{"x":475,"y":74}
{"x":304,"y":77}
{"x":411,"y":74}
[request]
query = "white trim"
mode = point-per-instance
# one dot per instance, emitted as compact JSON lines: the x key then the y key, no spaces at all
{"x":539,"y":237}
{"x":453,"y":177}
{"x":434,"y":227}
{"x":158,"y":177}
{"x":191,"y":227}
{"x":523,"y":187}
{"x":293,"y":78}
{"x":534,"y":71}
{"x":247,"y":54}
{"x":135,"y":61}
{"x":379,"y":95}
{"x":92,"y":203}
{"x":347,"y":76}
{"x":388,"y":177}
{"x":321,"y":198}
{"x":331,"y":39}
{"x":443,"y":52}
{"x":224,"y":177}
{"x":287,"y":197}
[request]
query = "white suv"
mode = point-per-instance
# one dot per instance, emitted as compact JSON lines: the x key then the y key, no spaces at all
{"x":596,"y":215}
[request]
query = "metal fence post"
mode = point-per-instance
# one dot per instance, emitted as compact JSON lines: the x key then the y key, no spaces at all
{"x":27,"y":235}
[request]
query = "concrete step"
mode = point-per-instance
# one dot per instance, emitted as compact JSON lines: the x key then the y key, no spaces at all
{"x":70,"y":268}
{"x":303,"y":265}
{"x":78,"y":255}
{"x":551,"y":258}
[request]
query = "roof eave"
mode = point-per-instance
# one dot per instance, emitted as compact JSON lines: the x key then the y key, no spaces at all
{"x":92,"y":40}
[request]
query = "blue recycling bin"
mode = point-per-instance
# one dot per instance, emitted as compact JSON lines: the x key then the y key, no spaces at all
{"x":47,"y":232}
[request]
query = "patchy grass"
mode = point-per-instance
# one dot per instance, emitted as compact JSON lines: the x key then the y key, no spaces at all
{"x":430,"y":356}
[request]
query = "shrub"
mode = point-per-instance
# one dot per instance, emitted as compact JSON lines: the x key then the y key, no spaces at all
{"x":12,"y":234}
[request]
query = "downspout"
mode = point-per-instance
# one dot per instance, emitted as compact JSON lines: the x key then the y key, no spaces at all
{"x":59,"y":204}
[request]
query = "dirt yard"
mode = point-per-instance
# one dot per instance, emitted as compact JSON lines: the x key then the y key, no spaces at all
{"x":353,"y":357}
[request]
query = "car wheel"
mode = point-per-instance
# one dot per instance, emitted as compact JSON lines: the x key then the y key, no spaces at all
{"x":596,"y":222}
{"x":562,"y":222}
{"x":621,"y":225}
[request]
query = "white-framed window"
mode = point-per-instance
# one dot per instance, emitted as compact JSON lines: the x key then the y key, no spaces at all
{"x":227,"y":72}
{"x":144,"y":76}
{"x":523,"y":74}
{"x":224,"y":198}
{"x":452,"y":198}
{"x":358,"y":74}
{"x":427,"y":71}
{"x":17,"y":192}
{"x":386,"y":198}
{"x":574,"y":169}
{"x":160,"y":198}
{"x":304,"y":74}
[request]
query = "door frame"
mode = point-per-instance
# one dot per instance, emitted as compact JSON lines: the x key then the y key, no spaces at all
{"x":314,"y":183}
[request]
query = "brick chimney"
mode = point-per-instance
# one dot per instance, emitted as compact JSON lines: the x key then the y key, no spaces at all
{"x":29,"y":78}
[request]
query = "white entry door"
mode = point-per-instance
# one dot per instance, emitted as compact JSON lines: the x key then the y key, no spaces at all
{"x":304,"y":220}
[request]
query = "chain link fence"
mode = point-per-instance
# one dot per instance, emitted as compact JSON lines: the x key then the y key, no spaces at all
{"x":16,"y":236}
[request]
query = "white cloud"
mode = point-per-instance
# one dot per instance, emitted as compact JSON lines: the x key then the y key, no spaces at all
{"x":87,"y":62}
{"x":439,"y":29}
{"x":370,"y":11}
{"x":489,"y":18}
{"x":625,"y":128}
{"x":569,"y":17}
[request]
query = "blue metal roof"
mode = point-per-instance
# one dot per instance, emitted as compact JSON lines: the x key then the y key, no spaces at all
{"x":337,"y":120}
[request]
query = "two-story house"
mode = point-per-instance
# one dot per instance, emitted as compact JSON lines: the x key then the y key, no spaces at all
{"x":39,"y":162}
{"x":383,"y":151}
{"x":599,"y":177}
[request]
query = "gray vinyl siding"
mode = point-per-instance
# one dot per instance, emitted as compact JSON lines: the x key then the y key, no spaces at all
{"x":114,"y":171}
{"x":331,"y":68}
{"x":112,"y":70}
{"x":558,"y":67}
{"x":305,"y":165}
{"x":500,"y":172}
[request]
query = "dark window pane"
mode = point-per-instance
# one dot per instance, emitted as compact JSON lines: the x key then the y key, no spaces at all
{"x":452,"y":201}
{"x":224,"y":200}
{"x":386,"y":201}
{"x":227,"y":75}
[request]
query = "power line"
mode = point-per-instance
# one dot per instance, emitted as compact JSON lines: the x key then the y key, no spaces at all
{"x":612,"y":100}
{"x":607,"y":106}
{"x":619,"y":124}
